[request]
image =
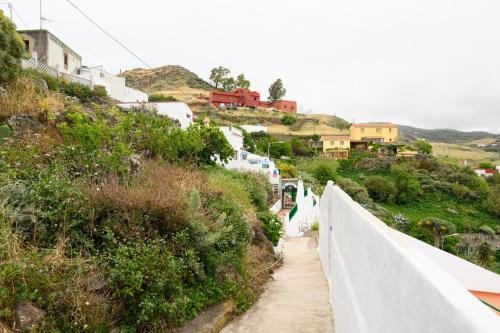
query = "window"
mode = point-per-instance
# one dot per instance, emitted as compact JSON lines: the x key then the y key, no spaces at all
{"x":27,"y":45}
{"x":332,"y":143}
{"x":379,"y":130}
{"x":362,"y":130}
{"x":390,"y":130}
{"x":341,"y":143}
{"x":65,"y":60}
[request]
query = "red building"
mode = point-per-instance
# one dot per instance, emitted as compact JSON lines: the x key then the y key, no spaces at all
{"x":248,"y":98}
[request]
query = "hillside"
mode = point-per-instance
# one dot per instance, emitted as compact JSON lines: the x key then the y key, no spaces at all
{"x":409,"y":133}
{"x":170,"y":80}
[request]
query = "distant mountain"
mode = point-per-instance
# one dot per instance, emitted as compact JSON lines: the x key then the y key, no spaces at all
{"x":165,"y":78}
{"x":408,"y":133}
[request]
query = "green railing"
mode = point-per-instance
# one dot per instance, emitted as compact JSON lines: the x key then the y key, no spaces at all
{"x":314,"y":202}
{"x":293,"y":211}
{"x":305,"y":193}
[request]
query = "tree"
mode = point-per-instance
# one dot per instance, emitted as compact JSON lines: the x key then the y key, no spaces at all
{"x":228,"y":84}
{"x":276,"y":91}
{"x":438,"y":228}
{"x":324,"y":172}
{"x":380,"y":189}
{"x":242,"y":82}
{"x":218,"y":75}
{"x":288,"y":120}
{"x":484,"y":254}
{"x":213,"y":143}
{"x":11,"y":50}
{"x":492,"y":202}
{"x":248,"y":142}
{"x":407,"y":185}
{"x":423,"y":147}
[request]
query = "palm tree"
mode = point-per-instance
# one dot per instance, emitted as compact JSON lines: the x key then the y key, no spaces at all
{"x":438,"y":228}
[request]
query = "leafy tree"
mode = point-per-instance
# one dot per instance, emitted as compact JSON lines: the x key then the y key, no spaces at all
{"x":248,"y":142}
{"x":324,"y":172}
{"x":486,"y":165}
{"x":423,"y":147}
{"x":242,"y":82}
{"x":276,"y":91}
{"x":11,"y":50}
{"x":407,"y":185}
{"x":438,"y":228}
{"x":492,"y":202}
{"x":484,"y":254}
{"x":213,"y":142}
{"x":288,"y":120}
{"x":228,"y":84}
{"x":380,"y":189}
{"x":218,"y":75}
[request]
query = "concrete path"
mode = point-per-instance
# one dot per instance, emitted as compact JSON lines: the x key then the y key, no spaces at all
{"x":297,"y":301}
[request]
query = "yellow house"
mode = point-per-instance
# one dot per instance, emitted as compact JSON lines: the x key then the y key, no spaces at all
{"x":336,"y":146}
{"x":376,"y":132}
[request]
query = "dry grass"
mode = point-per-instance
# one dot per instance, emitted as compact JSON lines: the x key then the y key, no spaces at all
{"x":485,"y":141}
{"x":158,"y":190}
{"x":21,"y":98}
{"x":462,"y":152}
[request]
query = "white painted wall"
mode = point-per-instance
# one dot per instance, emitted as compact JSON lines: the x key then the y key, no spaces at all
{"x":179,"y":111}
{"x":55,"y":58}
{"x":248,"y":162}
{"x":234,"y":136}
{"x":307,"y":213}
{"x":115,"y":85}
{"x":379,"y":283}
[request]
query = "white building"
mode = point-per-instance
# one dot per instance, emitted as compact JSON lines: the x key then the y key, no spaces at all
{"x":179,"y":112}
{"x":254,"y":128}
{"x":247,"y":162}
{"x":50,"y":50}
{"x":234,"y":136}
{"x":51,"y":55}
{"x":115,"y":85}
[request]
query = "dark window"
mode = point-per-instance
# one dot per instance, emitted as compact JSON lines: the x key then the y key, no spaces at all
{"x":66,"y":60}
{"x":27,"y":45}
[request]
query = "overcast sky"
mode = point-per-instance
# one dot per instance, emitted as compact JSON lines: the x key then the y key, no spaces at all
{"x":425,"y":63}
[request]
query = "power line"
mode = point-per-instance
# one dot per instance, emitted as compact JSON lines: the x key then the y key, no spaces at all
{"x":20,"y":18}
{"x":107,"y":33}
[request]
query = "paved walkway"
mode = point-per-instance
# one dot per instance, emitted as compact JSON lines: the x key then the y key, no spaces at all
{"x":297,"y":301}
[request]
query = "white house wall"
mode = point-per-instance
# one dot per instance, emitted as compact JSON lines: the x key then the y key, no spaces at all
{"x":379,"y":285}
{"x":55,"y":58}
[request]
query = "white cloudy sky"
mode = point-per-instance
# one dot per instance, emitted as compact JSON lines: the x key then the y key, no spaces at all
{"x":427,"y":63}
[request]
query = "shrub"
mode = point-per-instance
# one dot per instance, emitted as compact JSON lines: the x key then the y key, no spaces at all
{"x":20,"y":98}
{"x":286,"y":170}
{"x":315,"y":226}
{"x":288,"y":120}
{"x":408,"y":187}
{"x":380,"y":189}
{"x":487,"y":230}
{"x":161,"y":98}
{"x":358,"y":193}
{"x":12,"y":50}
{"x":437,"y":228}
{"x":423,"y":147}
{"x":272,"y":227}
{"x":492,"y":202}
{"x":461,"y":191}
{"x":324,"y":172}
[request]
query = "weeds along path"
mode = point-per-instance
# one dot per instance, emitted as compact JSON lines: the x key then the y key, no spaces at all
{"x":296,"y":301}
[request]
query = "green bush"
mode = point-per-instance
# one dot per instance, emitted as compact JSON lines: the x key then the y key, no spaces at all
{"x":286,"y":170}
{"x":272,"y":227}
{"x":11,"y":50}
{"x":161,"y":98}
{"x":354,"y":190}
{"x":492,"y":201}
{"x":324,"y":172}
{"x":380,"y":189}
{"x":407,"y":185}
{"x":288,"y":120}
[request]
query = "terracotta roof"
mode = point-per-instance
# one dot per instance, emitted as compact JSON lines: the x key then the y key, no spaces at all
{"x":492,"y":300}
{"x":334,"y":137}
{"x":374,"y":125}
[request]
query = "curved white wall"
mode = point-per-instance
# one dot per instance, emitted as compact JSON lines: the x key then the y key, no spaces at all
{"x":379,"y":283}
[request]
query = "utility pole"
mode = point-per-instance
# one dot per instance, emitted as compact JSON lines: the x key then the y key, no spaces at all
{"x":41,"y":18}
{"x":9,"y":5}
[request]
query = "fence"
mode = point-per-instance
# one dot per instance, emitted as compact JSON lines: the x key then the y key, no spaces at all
{"x":33,"y":63}
{"x":380,"y":283}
